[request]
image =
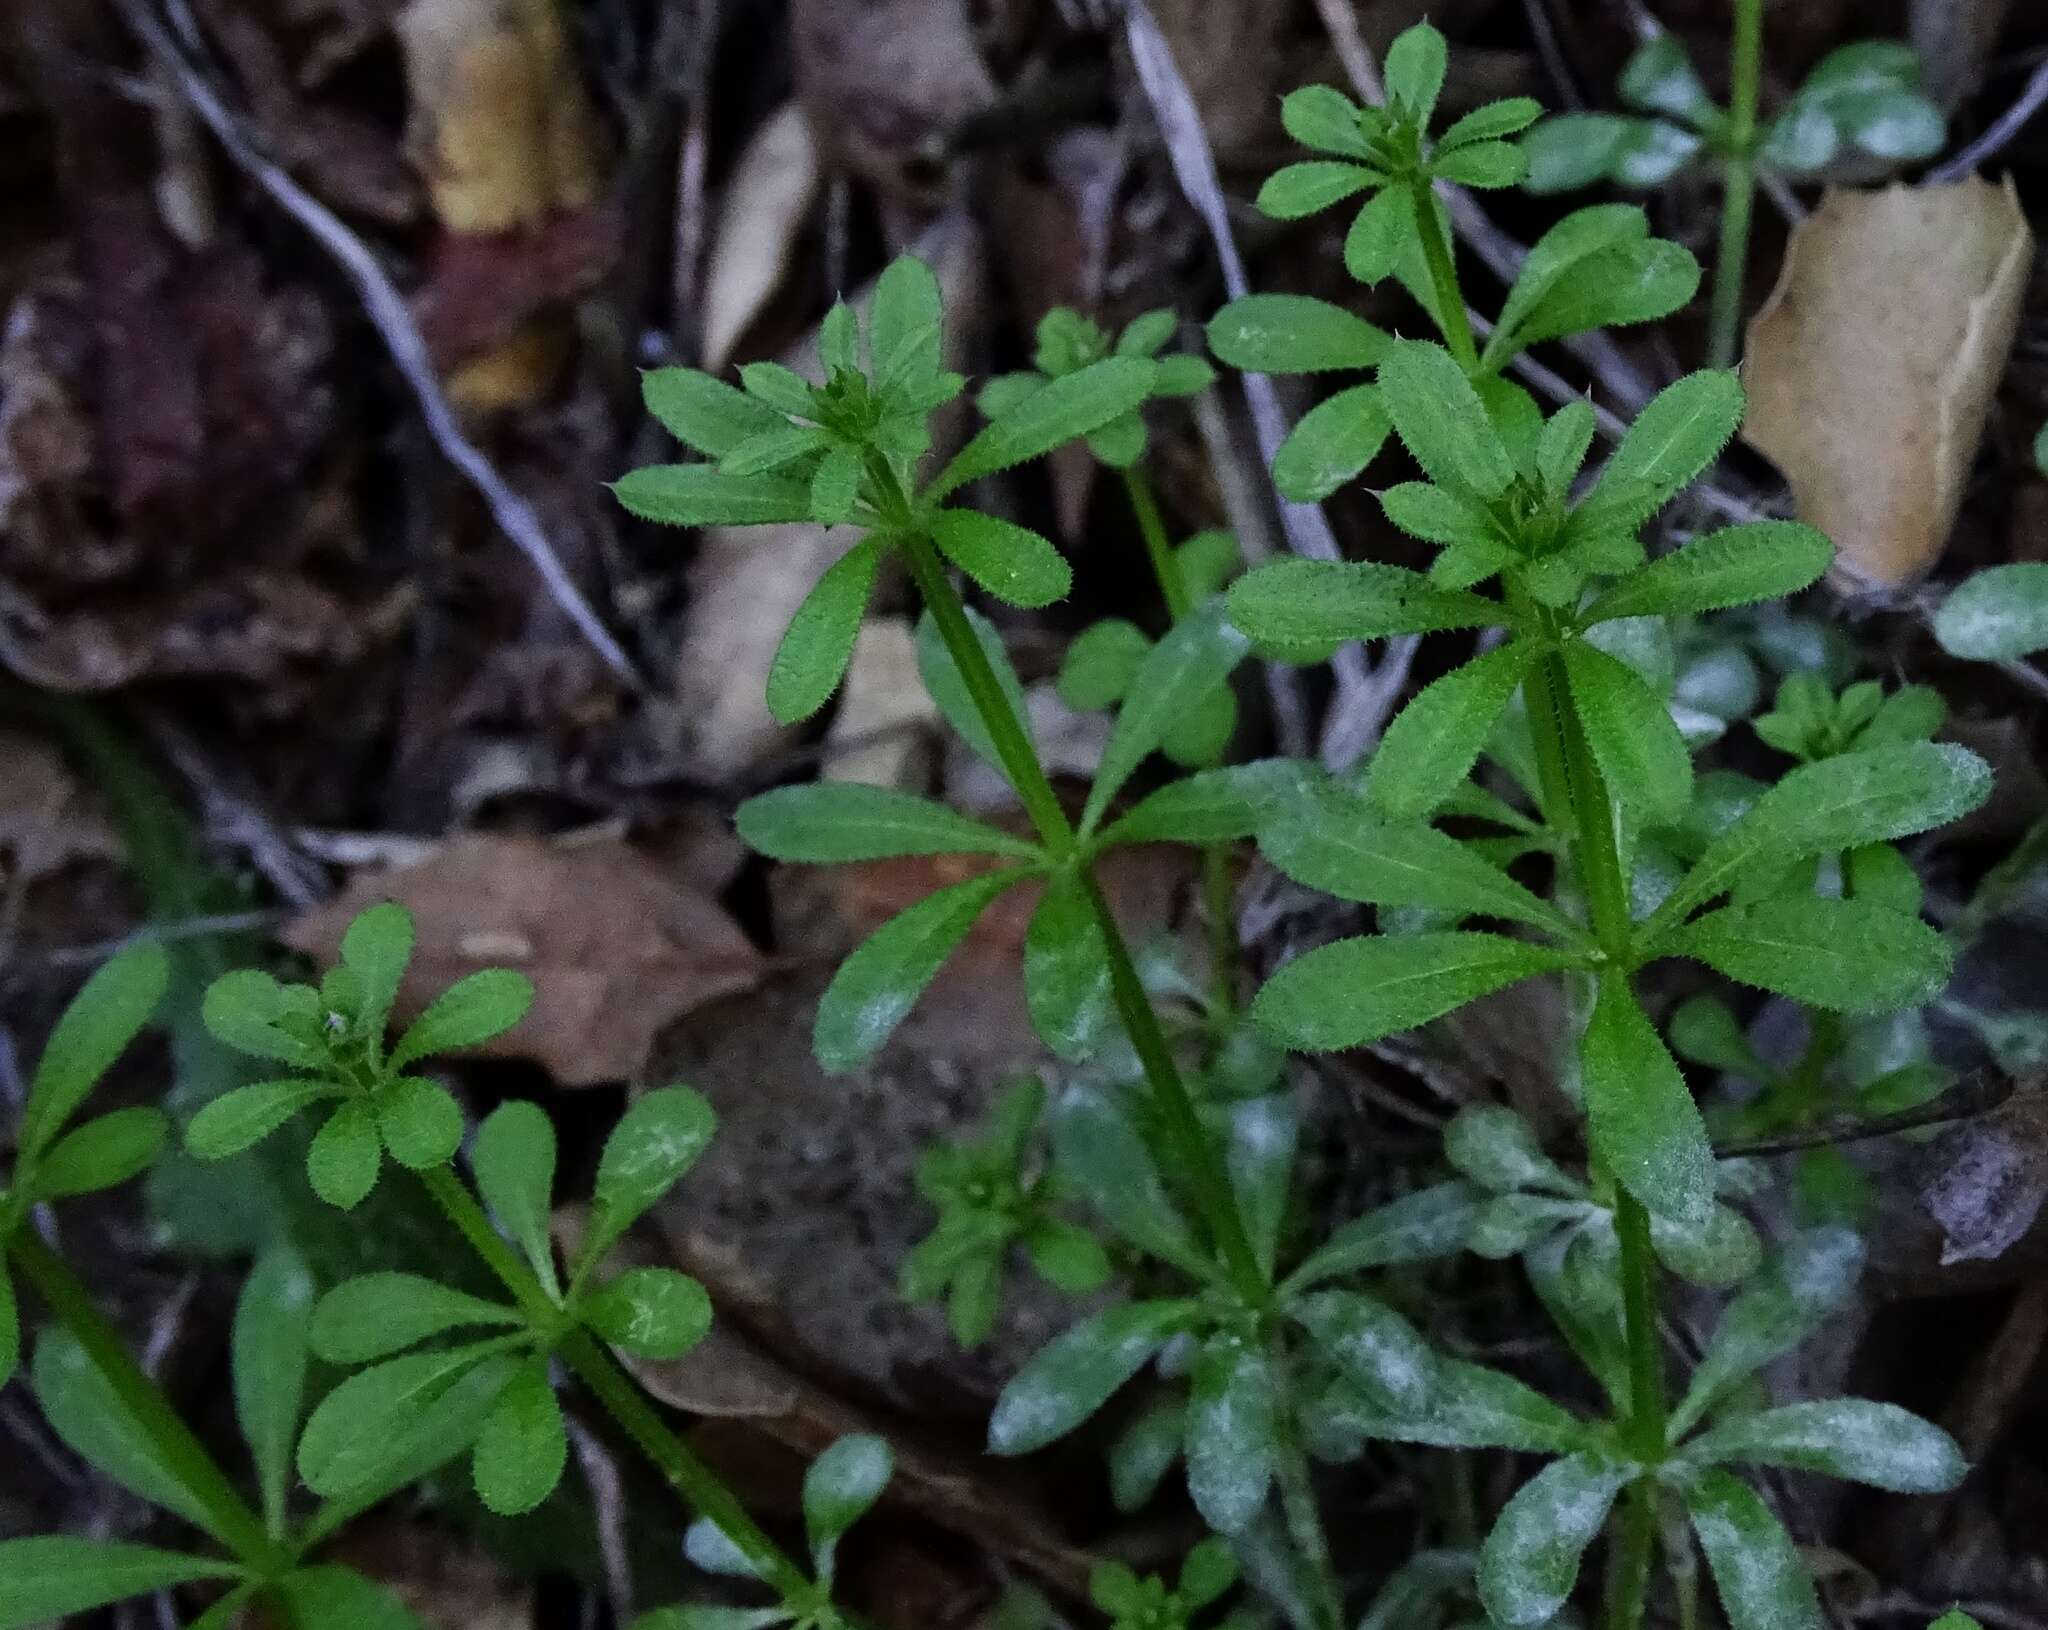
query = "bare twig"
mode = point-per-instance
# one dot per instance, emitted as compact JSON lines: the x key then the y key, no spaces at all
{"x":1544,"y":30}
{"x":2001,"y":131}
{"x":387,"y":312}
{"x":607,"y":1495}
{"x":192,"y":928}
{"x":692,"y":157}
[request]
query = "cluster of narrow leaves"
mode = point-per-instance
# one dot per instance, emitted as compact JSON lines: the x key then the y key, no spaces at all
{"x":490,"y":1388}
{"x":333,"y":1038}
{"x":993,"y":1194}
{"x":54,"y":1160}
{"x":1864,"y":99}
{"x":1596,"y":268}
{"x":839,"y":1488}
{"x":45,"y":1579}
{"x":1146,"y":1602}
{"x":1069,"y":342}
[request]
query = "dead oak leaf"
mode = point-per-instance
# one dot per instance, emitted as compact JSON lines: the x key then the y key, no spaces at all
{"x":616,"y":946}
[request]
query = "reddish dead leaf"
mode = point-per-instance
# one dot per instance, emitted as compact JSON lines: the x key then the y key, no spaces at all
{"x":482,"y":287}
{"x":616,"y":947}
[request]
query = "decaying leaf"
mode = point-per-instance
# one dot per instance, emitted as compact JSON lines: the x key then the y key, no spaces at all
{"x":882,"y":733}
{"x":46,"y":817}
{"x":504,"y":133}
{"x":1872,"y":366}
{"x":616,"y":947}
{"x":767,"y":201}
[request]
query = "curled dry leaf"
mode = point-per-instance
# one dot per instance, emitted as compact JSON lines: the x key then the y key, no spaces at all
{"x":760,"y":220}
{"x":1872,"y":366}
{"x":616,"y":947}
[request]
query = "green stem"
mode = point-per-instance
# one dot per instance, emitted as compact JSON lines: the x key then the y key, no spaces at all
{"x":177,"y":1449}
{"x":622,"y":1400}
{"x":1739,"y":182}
{"x":1173,"y":586}
{"x":1298,"y":1507}
{"x":1217,"y":899}
{"x":1005,"y":729}
{"x":1443,"y":276}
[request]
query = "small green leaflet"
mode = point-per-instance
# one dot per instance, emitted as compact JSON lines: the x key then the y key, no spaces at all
{"x":1333,"y":441}
{"x":1757,"y":1569}
{"x":1737,"y":566}
{"x":1530,"y":1561}
{"x":1641,"y":755}
{"x":704,"y":495}
{"x":514,"y":1162}
{"x":1435,"y":740}
{"x":1293,"y":334}
{"x":1849,"y":956}
{"x":1065,"y":410}
{"x":1855,"y":1439}
{"x":47,"y":1579}
{"x":1233,"y":1427}
{"x":832,"y":821}
{"x":1678,"y":434}
{"x":1066,"y":968}
{"x":1997,"y":615}
{"x":377,"y":1314}
{"x":1641,"y":1116}
{"x":94,"y":1030}
{"x":818,"y":643}
{"x":1358,"y":990}
{"x":703,"y":413}
{"x":1302,"y":610}
{"x":655,"y":1142}
{"x":1441,"y":421}
{"x":1070,"y":1379}
{"x":1013,"y":563}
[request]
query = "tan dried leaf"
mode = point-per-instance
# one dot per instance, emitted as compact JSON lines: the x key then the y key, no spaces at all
{"x":616,"y":947}
{"x":882,"y":733}
{"x":1872,"y":366}
{"x":760,"y":220}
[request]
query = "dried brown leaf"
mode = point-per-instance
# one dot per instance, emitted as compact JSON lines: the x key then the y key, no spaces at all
{"x":1872,"y":366}
{"x":767,"y":202}
{"x":616,"y":947}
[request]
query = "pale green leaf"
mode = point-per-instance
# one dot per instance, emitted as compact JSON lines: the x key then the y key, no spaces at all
{"x":1069,"y":1380}
{"x":1233,"y":1432}
{"x":514,"y":1162}
{"x":1293,"y":334}
{"x":523,"y":1446}
{"x":1066,"y":968}
{"x":1335,"y":439}
{"x":703,"y":413}
{"x":468,"y":1013}
{"x":1849,"y":956}
{"x":1302,"y":610}
{"x":655,"y":1142}
{"x":1433,"y":743}
{"x":1530,"y":1560}
{"x":1441,"y":420}
{"x":1641,"y":1117}
{"x":1642,"y":757}
{"x":1998,"y":615}
{"x":1762,"y":1579}
{"x":273,"y":1318}
{"x":836,"y":821}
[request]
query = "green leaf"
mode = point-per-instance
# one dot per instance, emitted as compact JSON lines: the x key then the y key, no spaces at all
{"x":1013,"y":563}
{"x":1641,"y":1118}
{"x":1849,"y":956}
{"x":839,"y":1487}
{"x":881,"y":981}
{"x":1571,"y":150}
{"x":1176,"y":674}
{"x":1264,"y":1133}
{"x":712,"y":1549}
{"x":1418,"y":1227}
{"x":772,"y":450}
{"x":835,"y":487}
{"x":1334,"y":842}
{"x":10,"y":1326}
{"x":704,"y":495}
{"x":523,"y":1446}
{"x":1855,"y":1439}
{"x":1719,"y":1252}
{"x":237,"y":1119}
{"x":1303,"y":189}
{"x":948,"y":689}
{"x":333,"y":1598}
{"x":1233,"y":1432}
{"x":1482,"y":164}
{"x":1144,"y":1453}
{"x":1737,"y":566}
{"x":1438,"y":515}
{"x":1302,"y":610}
{"x":1210,"y":806}
{"x":83,"y":1409}
{"x":1641,"y":755}
{"x":377,"y":1314}
{"x":468,"y":1013}
{"x":1324,"y":119}
{"x":1839,"y":803}
{"x":345,"y":1155}
{"x":420,"y":1122}
{"x":243,"y":1010}
{"x":1414,"y":71}
{"x":1997,"y":615}
{"x":1066,"y":969}
{"x":514,"y":1162}
{"x":782,"y":388}
{"x":1562,"y":443}
{"x":108,"y":1013}
{"x":1066,"y":410}
{"x":1530,"y":1561}
{"x":1491,"y":121}
{"x":1102,"y":1160}
{"x":1433,"y":743}
{"x":1358,"y":990}
{"x":1497,"y":1149}
{"x":1757,"y":1569}
{"x":1293,"y":334}
{"x":704,"y":413}
{"x":832,"y":821}
{"x":376,"y":947}
{"x":104,"y":1152}
{"x":273,"y":1318}
{"x":375,"y":1419}
{"x":1374,"y":1348}
{"x":1441,"y":421}
{"x":1677,"y":435}
{"x":904,"y":323}
{"x":1378,"y":235}
{"x":655,"y":1142}
{"x":50,"y":1577}
{"x":1101,"y":663}
{"x":818,"y":643}
{"x":1660,"y":78}
{"x":1335,"y":439}
{"x":650,"y":1312}
{"x":1071,"y":1378}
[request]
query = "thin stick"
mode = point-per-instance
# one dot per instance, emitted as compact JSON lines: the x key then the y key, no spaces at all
{"x":387,"y":312}
{"x":2002,"y":130}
